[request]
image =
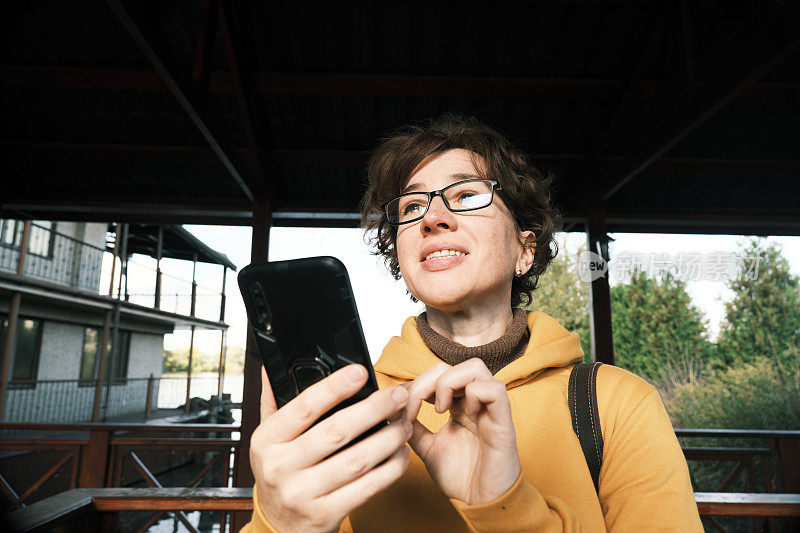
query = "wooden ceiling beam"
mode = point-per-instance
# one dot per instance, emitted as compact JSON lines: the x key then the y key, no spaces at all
{"x":254,"y":131}
{"x":730,"y":222}
{"x":209,"y":11}
{"x":695,"y":115}
{"x":695,"y":166}
{"x":601,"y":90}
{"x":185,"y":91}
{"x":626,"y":94}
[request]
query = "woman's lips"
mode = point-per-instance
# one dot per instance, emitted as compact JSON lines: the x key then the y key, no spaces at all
{"x":443,"y":263}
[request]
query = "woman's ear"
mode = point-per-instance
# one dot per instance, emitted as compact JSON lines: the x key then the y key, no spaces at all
{"x":528,"y":241}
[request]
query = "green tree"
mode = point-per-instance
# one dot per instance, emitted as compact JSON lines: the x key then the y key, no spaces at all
{"x":565,"y":297}
{"x":763,"y":319}
{"x":176,"y":361}
{"x":656,"y":328}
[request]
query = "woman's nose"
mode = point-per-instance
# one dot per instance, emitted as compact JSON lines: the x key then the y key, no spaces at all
{"x":438,"y":217}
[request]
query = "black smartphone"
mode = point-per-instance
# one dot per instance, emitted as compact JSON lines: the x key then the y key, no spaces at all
{"x":304,"y":318}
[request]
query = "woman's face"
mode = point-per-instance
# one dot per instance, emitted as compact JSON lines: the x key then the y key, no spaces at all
{"x":487,"y":243}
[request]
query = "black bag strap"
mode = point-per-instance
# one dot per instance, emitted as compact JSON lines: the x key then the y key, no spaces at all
{"x":585,"y":418}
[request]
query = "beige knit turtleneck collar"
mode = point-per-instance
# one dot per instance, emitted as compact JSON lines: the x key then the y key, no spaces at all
{"x":495,"y":354}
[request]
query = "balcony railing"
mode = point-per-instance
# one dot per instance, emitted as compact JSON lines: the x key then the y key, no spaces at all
{"x":72,"y":400}
{"x":57,"y":258}
{"x":61,"y":259}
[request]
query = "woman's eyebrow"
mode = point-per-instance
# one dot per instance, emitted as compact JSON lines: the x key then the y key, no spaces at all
{"x":458,"y":176}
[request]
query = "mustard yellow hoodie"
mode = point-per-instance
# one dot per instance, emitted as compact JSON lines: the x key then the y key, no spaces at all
{"x":644,"y":481}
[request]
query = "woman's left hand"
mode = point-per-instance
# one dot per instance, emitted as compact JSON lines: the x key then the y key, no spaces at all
{"x":474,"y":457}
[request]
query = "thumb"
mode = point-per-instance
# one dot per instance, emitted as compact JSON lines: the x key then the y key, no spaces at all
{"x":268,"y":405}
{"x":421,"y":439}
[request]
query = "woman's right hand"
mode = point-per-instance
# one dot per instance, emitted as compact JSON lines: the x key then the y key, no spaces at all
{"x":299,"y":487}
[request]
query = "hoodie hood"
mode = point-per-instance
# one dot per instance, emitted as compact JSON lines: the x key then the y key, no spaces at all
{"x":550,"y":346}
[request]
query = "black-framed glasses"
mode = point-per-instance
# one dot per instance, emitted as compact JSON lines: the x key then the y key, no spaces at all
{"x":467,"y":195}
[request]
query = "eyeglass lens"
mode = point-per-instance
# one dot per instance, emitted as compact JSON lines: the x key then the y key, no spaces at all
{"x":462,"y":196}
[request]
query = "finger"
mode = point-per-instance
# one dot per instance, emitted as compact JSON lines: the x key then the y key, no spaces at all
{"x":268,"y":405}
{"x":421,"y":439}
{"x":423,"y":388}
{"x":291,"y":420}
{"x":355,"y":461}
{"x":492,"y":396}
{"x":456,"y":379}
{"x":345,"y":425}
{"x":360,"y":490}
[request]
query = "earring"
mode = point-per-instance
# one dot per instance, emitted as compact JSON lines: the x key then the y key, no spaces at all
{"x":519,"y":272}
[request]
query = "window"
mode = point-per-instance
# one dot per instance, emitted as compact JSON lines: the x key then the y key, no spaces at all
{"x":90,"y":356}
{"x":118,"y":362}
{"x":40,"y":240}
{"x":26,"y":351}
{"x":11,"y":232}
{"x":117,"y":365}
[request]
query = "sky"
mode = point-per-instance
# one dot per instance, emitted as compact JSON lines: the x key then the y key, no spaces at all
{"x":383,"y":303}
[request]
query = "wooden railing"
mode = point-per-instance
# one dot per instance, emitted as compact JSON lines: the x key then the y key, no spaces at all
{"x":777,"y":456}
{"x":72,"y":504}
{"x":779,"y":459}
{"x":100,"y":460}
{"x":106,"y":455}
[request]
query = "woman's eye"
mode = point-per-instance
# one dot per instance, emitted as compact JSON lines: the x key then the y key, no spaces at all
{"x":410,"y":208}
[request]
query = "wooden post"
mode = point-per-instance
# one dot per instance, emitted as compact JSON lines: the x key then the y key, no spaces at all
{"x":13,"y":319}
{"x":159,"y":250}
{"x":262,"y":220}
{"x":8,"y":349}
{"x":114,"y":260}
{"x":23,"y":248}
{"x":124,"y":264}
{"x":101,"y":367}
{"x":94,"y":460}
{"x":194,"y":287}
{"x":790,"y":472}
{"x":222,"y":298}
{"x":117,"y":310}
{"x":148,"y":405}
{"x":221,"y":367}
{"x":189,"y":372}
{"x":600,"y":292}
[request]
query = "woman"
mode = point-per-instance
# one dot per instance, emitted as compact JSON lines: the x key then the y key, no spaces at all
{"x":475,"y":385}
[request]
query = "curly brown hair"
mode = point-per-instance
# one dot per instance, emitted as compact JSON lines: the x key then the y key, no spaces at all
{"x":524,"y":190}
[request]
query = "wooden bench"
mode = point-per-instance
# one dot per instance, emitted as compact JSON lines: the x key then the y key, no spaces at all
{"x":70,"y":504}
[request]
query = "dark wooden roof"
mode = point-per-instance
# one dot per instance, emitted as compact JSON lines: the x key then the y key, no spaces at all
{"x":671,"y":116}
{"x":177,"y":243}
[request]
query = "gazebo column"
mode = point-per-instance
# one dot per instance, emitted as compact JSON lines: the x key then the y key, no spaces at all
{"x":599,"y":290}
{"x":101,"y":364}
{"x":13,"y":320}
{"x":189,"y":372}
{"x":221,"y":366}
{"x":251,"y":394}
{"x":192,"y":311}
{"x":114,"y":255}
{"x":103,"y":373}
{"x":159,"y":253}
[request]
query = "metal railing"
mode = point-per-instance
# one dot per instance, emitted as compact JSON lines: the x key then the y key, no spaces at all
{"x":72,"y":400}
{"x":57,"y":258}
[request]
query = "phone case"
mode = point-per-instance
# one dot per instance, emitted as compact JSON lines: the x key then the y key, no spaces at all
{"x":304,"y":318}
